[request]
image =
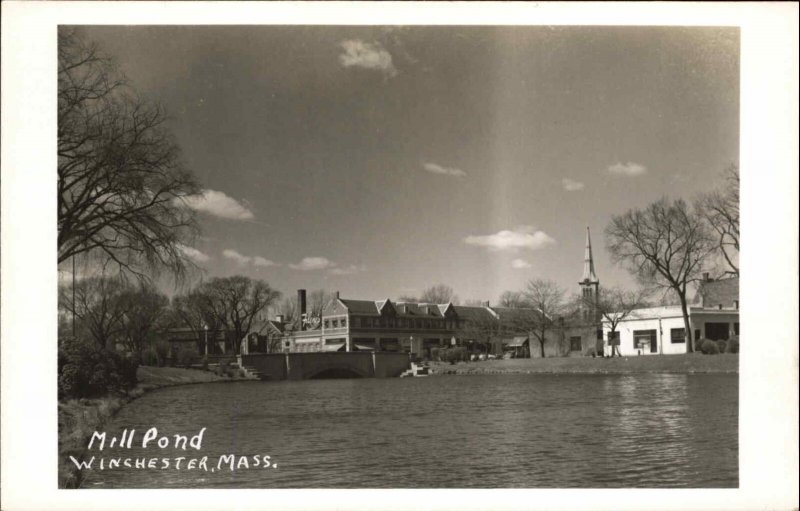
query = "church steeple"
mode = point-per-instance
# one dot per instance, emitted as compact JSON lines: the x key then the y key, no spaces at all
{"x":589,"y":276}
{"x":589,"y":283}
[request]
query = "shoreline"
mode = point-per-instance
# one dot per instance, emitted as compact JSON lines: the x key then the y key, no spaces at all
{"x":694,"y":363}
{"x":79,"y":418}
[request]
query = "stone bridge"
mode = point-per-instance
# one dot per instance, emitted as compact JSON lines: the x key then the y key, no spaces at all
{"x":306,"y":366}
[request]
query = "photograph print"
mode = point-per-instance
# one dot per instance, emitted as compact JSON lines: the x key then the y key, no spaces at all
{"x":398,"y":256}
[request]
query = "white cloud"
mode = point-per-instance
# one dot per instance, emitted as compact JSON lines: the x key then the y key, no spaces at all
{"x":236,"y":257}
{"x":243,"y":260}
{"x":522,"y":237}
{"x":374,"y":56}
{"x":627,"y":169}
{"x":218,"y":204}
{"x":193,"y":254}
{"x":571,"y":185}
{"x":348,"y":270}
{"x":312,"y":263}
{"x":447,"y":171}
{"x":260,"y":261}
{"x":520,"y":264}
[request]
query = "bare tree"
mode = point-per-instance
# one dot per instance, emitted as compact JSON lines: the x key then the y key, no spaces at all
{"x":512,"y":300}
{"x":145,"y":312}
{"x":317,"y":300}
{"x":546,"y":298}
{"x":121,"y":183}
{"x":288,"y":309}
{"x":720,"y":209}
{"x":615,"y":304}
{"x":236,"y":302}
{"x":440,"y":293}
{"x":97,"y":305}
{"x":665,"y":245}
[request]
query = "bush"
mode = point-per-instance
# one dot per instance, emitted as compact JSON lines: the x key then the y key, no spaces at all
{"x":162,"y":352}
{"x":453,"y":355}
{"x":722,"y":346}
{"x":186,"y":357}
{"x":149,"y":357}
{"x":733,"y":344}
{"x":88,"y":371}
{"x":709,"y":347}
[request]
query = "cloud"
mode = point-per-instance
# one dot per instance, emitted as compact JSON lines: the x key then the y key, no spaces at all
{"x":629,"y":169}
{"x":522,"y":237}
{"x":236,"y":257}
{"x":348,"y":270}
{"x":193,"y":254}
{"x":218,"y":204}
{"x":260,"y":261}
{"x":447,"y":171}
{"x":373,"y":56}
{"x":571,"y":185}
{"x":312,"y":263}
{"x":243,"y":260}
{"x":520,"y":264}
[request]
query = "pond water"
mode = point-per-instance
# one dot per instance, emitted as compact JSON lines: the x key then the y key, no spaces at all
{"x":476,"y":431}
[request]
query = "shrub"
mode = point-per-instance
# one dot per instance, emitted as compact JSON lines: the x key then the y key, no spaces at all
{"x":88,"y":371}
{"x":149,"y":357}
{"x":709,"y":347}
{"x":733,"y":344}
{"x":186,"y":357}
{"x":162,"y":352}
{"x":722,"y":346}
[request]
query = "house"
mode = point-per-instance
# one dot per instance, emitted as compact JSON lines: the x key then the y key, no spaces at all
{"x":713,"y":314}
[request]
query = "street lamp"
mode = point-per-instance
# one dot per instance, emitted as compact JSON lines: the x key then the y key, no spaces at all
{"x":205,"y":327}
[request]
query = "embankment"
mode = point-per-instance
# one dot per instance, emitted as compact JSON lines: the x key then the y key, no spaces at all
{"x":678,"y":364}
{"x":79,"y":418}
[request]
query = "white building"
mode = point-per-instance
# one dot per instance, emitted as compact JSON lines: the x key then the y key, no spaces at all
{"x":713,"y":314}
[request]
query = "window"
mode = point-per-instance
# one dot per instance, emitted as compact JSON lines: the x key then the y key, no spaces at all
{"x":736,"y":328}
{"x":575,"y":343}
{"x":344,"y":322}
{"x":641,"y":338}
{"x":677,"y":335}
{"x":600,"y":334}
{"x":327,"y":323}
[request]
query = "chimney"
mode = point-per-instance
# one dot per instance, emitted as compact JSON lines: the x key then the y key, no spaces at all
{"x":301,"y":306}
{"x":336,"y":295}
{"x":485,"y":304}
{"x":706,"y":278}
{"x":279,"y":318}
{"x":736,"y":304}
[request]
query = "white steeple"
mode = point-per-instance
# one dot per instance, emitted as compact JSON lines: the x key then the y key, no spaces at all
{"x":589,"y":276}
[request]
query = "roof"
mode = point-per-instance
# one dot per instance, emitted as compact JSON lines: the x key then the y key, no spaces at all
{"x":361,"y":306}
{"x":713,"y":293}
{"x":473,"y":313}
{"x":518,"y":342}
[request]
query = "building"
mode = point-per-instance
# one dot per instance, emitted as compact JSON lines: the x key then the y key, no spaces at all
{"x":419,"y":328}
{"x":713,"y":314}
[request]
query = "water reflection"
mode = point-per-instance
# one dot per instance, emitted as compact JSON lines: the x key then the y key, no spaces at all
{"x":489,"y":431}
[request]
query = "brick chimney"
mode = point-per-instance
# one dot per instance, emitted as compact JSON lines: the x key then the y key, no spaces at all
{"x":301,"y":307}
{"x":706,"y":277}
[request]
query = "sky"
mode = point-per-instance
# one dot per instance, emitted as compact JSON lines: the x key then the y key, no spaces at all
{"x":378,"y":161}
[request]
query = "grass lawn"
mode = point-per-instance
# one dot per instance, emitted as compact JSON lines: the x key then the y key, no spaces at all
{"x":688,"y":363}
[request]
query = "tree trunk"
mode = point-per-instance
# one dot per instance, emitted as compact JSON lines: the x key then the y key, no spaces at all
{"x":686,"y":324}
{"x":541,"y":346}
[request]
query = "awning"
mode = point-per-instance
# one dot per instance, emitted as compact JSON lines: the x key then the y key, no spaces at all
{"x":333,"y":347}
{"x":361,"y":347}
{"x":518,"y":342}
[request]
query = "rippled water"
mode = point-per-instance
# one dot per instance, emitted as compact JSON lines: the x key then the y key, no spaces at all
{"x":524,"y":431}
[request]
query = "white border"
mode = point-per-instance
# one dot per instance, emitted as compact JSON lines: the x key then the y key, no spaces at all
{"x":769,"y":162}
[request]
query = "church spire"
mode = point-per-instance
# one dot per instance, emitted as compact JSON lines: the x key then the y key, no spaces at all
{"x":588,"y":262}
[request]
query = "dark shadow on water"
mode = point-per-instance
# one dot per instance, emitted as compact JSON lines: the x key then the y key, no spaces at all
{"x":335,"y":374}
